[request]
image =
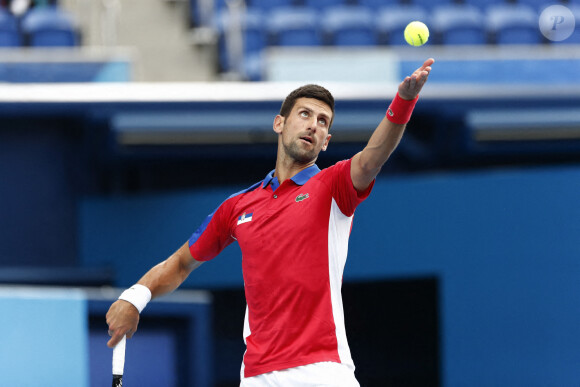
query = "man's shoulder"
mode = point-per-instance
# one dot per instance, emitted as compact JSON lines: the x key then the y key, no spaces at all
{"x":335,"y":168}
{"x":250,"y":189}
{"x":233,"y":199}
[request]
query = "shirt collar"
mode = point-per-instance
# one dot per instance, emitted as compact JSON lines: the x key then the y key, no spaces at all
{"x":300,"y":178}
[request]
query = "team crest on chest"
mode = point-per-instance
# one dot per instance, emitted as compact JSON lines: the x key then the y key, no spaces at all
{"x":245,"y":217}
{"x":301,"y":197}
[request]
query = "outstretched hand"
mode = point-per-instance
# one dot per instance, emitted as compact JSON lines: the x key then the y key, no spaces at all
{"x":412,"y":85}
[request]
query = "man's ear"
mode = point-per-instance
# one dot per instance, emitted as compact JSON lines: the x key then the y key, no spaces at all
{"x":326,"y":142}
{"x":278,"y":124}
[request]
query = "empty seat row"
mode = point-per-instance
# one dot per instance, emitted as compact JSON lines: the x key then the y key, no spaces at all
{"x":357,"y":25}
{"x":45,"y":26}
{"x":201,"y":12}
{"x":267,"y":5}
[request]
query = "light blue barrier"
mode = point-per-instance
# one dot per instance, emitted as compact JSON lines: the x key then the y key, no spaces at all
{"x":499,"y":72}
{"x":44,"y":337}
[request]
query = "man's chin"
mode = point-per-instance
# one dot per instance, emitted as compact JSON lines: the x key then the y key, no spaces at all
{"x":302,"y":156}
{"x":305,"y":158}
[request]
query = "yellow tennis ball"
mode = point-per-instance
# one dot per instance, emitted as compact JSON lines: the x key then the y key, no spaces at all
{"x":416,"y":33}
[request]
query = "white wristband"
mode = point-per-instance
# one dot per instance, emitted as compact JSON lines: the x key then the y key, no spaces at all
{"x":138,"y":295}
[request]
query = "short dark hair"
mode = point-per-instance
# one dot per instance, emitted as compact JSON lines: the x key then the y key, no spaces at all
{"x":308,"y":91}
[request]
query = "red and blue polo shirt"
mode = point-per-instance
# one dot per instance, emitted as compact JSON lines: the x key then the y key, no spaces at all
{"x":294,"y":241}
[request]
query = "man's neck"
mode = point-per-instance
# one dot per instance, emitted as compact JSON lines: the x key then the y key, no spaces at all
{"x":286,"y":169}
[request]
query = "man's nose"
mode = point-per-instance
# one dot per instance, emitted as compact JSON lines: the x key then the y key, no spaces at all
{"x":313,"y":124}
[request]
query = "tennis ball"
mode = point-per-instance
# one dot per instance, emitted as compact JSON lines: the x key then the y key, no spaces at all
{"x":416,"y":33}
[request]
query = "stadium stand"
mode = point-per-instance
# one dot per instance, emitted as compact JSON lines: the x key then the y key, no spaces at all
{"x":320,"y":23}
{"x":459,"y":24}
{"x":381,"y":23}
{"x":428,"y":4}
{"x":349,"y":25}
{"x":267,"y":5}
{"x":253,"y":33}
{"x":49,"y":26}
{"x":575,"y":8}
{"x":513,"y":24}
{"x":391,"y":22}
{"x":321,"y":5}
{"x":294,"y":26}
{"x":482,"y":4}
{"x":9,"y":32}
{"x":375,"y":4}
{"x":538,"y":5}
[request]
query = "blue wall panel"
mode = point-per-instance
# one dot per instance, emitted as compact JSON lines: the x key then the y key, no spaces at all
{"x":37,"y":196}
{"x":150,"y":361}
{"x":132,"y":234}
{"x":505,"y":245}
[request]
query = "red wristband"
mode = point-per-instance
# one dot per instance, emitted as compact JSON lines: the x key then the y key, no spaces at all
{"x":400,"y":110}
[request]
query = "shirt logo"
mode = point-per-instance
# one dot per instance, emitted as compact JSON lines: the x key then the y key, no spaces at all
{"x":301,"y":197}
{"x":245,"y":217}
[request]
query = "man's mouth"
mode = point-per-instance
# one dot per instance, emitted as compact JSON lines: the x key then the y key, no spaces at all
{"x":308,"y":139}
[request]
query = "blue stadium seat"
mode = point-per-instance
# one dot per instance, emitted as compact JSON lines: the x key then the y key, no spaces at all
{"x":294,"y":26}
{"x":220,"y":5}
{"x":575,"y":37}
{"x":482,"y":4}
{"x":9,"y":32}
{"x":391,"y":22}
{"x":255,"y":39}
{"x":376,"y":4}
{"x":324,"y":4}
{"x":429,"y":4}
{"x":268,"y":5}
{"x":203,"y":13}
{"x":539,"y":5}
{"x":459,"y":24}
{"x":49,"y":26}
{"x":513,"y":24}
{"x":349,"y":25}
{"x":253,"y":67}
{"x":254,"y":34}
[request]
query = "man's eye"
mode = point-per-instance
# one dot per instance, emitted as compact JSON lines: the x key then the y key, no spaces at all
{"x":304,"y":114}
{"x":322,"y":122}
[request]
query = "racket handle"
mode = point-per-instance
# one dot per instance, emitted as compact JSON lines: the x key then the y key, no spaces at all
{"x":119,"y":362}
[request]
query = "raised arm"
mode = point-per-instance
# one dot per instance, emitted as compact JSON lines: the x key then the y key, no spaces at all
{"x":366,"y":164}
{"x":123,"y":316}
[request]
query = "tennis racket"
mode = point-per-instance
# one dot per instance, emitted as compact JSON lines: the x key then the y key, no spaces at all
{"x":119,"y":362}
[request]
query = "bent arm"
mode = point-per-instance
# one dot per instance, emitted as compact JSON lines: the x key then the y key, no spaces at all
{"x":123,"y":317}
{"x":166,"y":276}
{"x":367,"y":164}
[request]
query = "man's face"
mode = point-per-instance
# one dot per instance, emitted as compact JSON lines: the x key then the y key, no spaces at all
{"x":304,"y":132}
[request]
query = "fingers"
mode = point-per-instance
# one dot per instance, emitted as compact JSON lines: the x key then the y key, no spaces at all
{"x":122,"y":319}
{"x":412,"y":85}
{"x":421,"y":78}
{"x":423,"y":71}
{"x":413,"y":82}
{"x":417,"y":79}
{"x":117,"y":335}
{"x":115,"y":338}
{"x":427,"y":63}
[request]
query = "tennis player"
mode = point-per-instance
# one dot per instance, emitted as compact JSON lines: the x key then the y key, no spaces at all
{"x":293,"y":229}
